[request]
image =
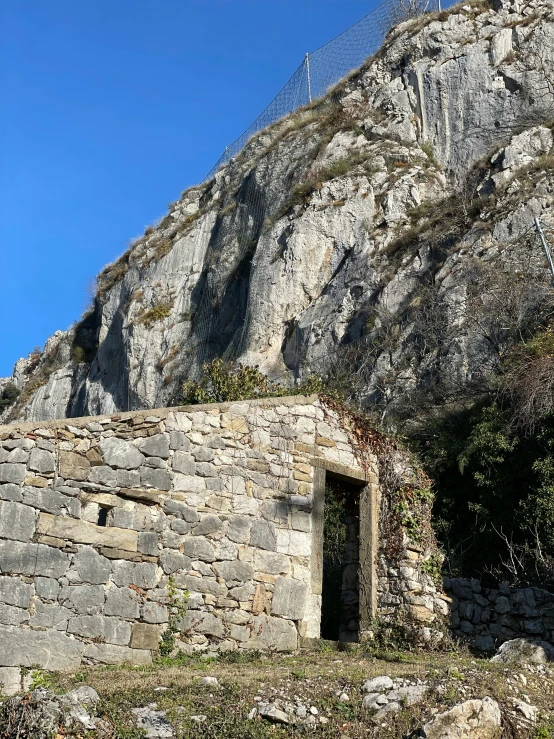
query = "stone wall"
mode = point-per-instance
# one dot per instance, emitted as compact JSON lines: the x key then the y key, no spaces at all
{"x":98,"y":516}
{"x":487,"y":617}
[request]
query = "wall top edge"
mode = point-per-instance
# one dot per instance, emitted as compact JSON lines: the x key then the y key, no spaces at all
{"x":160,"y":413}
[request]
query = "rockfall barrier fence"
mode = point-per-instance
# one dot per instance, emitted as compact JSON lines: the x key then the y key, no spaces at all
{"x":324,"y":67}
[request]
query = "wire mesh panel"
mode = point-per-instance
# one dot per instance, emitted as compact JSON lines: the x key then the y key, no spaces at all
{"x":325,"y":66}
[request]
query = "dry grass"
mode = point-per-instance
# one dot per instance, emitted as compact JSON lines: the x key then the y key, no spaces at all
{"x":315,"y":678}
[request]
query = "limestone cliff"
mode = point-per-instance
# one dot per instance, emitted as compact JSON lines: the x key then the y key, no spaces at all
{"x":375,"y":228}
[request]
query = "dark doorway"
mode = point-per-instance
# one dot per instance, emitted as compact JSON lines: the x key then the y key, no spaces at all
{"x":340,"y":606}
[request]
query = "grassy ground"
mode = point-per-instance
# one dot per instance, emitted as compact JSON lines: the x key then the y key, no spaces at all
{"x":315,"y":679}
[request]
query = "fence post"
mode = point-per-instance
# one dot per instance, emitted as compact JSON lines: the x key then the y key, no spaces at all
{"x":307,"y":59}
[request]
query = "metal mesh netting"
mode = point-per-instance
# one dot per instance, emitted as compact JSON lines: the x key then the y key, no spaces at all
{"x":325,"y":66}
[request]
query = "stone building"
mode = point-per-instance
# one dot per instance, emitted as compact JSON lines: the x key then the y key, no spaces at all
{"x":105,"y":522}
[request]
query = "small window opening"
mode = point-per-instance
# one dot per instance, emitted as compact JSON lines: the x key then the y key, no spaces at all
{"x":340,"y":587}
{"x":103,"y":517}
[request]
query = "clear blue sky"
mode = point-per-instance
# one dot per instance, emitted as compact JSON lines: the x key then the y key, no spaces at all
{"x":108,"y":110}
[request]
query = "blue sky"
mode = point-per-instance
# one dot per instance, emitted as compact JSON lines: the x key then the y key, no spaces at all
{"x":108,"y":111}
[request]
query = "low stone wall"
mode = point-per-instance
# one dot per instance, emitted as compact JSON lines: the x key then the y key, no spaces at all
{"x":487,"y":617}
{"x":101,"y":518}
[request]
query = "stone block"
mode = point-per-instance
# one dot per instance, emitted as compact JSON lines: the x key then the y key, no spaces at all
{"x":41,"y":460}
{"x":103,"y":628}
{"x":122,"y":602}
{"x":173,"y":562}
{"x":50,"y":650}
{"x":12,"y":492}
{"x":17,"y":521}
{"x":104,"y":475}
{"x":148,"y":497}
{"x":262,"y":535}
{"x":128,"y":478}
{"x":50,"y":616}
{"x":110,"y":654}
{"x":243,"y":593}
{"x":188,"y":483}
{"x":51,"y":501}
{"x":180,"y":526}
{"x":289,"y":599}
{"x":202,"y":622}
{"x":237,"y":572}
{"x":203,"y":454}
{"x":155,"y":446}
{"x":154,"y":613}
{"x":198,"y":547}
{"x":268,"y":632}
{"x":294,"y":543}
{"x":120,"y":454}
{"x":301,"y":521}
{"x":32,"y":559}
{"x":145,"y":636}
{"x":18,"y":456}
{"x":182,"y":510}
{"x":10,"y":680}
{"x":205,"y":585}
{"x":138,"y":519}
{"x":209,"y":524}
{"x":271,"y":563}
{"x":82,"y":599}
{"x":239,"y":528}
{"x":87,"y":533}
{"x":15,"y":592}
{"x":155,"y":478}
{"x":502,"y":605}
{"x":12,"y":616}
{"x":90,"y":567}
{"x":178,"y":441}
{"x":205,"y":469}
{"x":148,"y":543}
{"x":18,"y":444}
{"x":142,"y":574}
{"x":219,"y":503}
{"x":73,"y":466}
{"x":240,"y":633}
{"x":184,"y":463}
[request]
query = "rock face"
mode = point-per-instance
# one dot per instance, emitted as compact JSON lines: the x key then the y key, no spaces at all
{"x":304,"y":242}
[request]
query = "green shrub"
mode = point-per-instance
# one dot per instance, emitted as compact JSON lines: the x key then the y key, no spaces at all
{"x":224,"y":382}
{"x":177,"y":608}
{"x":8,"y":396}
{"x":157,"y":313}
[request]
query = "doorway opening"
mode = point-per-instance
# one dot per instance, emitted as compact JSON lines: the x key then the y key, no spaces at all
{"x":340,"y":595}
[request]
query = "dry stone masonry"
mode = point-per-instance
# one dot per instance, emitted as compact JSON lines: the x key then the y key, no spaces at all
{"x":100,"y":516}
{"x":488,"y":617}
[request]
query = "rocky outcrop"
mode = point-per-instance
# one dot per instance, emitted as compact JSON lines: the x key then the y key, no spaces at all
{"x":474,"y":719}
{"x":374,"y":218}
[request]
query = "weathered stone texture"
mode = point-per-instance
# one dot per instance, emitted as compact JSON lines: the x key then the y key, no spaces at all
{"x":133,"y":512}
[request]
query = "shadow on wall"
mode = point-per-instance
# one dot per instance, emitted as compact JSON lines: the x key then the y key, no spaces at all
{"x":487,"y":617}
